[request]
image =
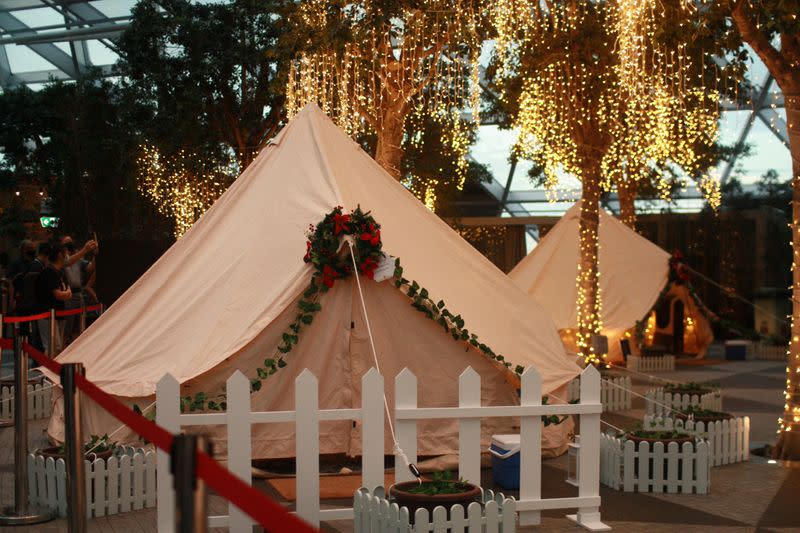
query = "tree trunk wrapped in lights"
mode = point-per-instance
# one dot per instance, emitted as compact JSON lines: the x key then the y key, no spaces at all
{"x":588,"y":283}
{"x":760,"y":27}
{"x":609,"y":92}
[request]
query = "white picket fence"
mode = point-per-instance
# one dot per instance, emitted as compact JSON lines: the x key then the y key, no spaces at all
{"x":615,"y":392}
{"x":374,"y":514}
{"x":648,"y":468}
{"x":39,"y":400}
{"x":660,"y":403}
{"x":728,"y":440}
{"x":769,"y":352}
{"x":307,"y":416}
{"x":651,"y":363}
{"x":115,"y":485}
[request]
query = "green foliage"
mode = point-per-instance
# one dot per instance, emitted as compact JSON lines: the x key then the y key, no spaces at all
{"x":697,"y":411}
{"x":208,"y":76}
{"x":442,"y":483}
{"x":78,"y":142}
{"x":661,"y":434}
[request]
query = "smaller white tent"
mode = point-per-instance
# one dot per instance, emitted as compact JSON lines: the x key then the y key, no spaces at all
{"x":633,"y":272}
{"x":221,"y":298}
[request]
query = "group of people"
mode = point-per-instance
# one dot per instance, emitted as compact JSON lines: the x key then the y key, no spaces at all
{"x":53,"y":274}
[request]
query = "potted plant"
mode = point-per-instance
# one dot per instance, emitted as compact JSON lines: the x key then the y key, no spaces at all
{"x":442,"y":490}
{"x":691,"y":388}
{"x":658,"y":435}
{"x":96,"y":448}
{"x":698,"y":414}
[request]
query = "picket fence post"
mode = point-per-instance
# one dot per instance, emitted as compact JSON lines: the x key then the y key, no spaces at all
{"x":469,"y":429}
{"x":589,"y":452}
{"x":530,"y":439}
{"x":168,"y":414}
{"x":372,"y":432}
{"x":306,"y":401}
{"x":239,"y":444}
{"x":405,"y":397}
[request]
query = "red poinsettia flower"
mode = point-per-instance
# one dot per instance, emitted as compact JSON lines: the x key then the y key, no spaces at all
{"x":372,"y":235}
{"x":329,"y":275}
{"x":340,"y":223}
{"x":367,"y":267}
{"x":307,"y":257}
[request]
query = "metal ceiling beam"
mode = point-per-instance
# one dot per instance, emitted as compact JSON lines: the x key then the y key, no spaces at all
{"x":21,"y":5}
{"x":758,"y":101}
{"x":73,"y":34}
{"x":48,"y":51}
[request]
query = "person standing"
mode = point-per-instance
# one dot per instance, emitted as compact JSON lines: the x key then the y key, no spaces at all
{"x":52,"y":292}
{"x":73,"y":271}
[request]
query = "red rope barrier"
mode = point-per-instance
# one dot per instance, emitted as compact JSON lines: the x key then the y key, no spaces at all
{"x":69,"y":312}
{"x":29,"y":318}
{"x":269,"y":514}
{"x":46,"y":314}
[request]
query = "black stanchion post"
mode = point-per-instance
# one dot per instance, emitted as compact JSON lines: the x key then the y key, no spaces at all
{"x":21,"y":513}
{"x":73,"y":441}
{"x":51,"y":348}
{"x":190,"y":497}
{"x":82,"y":322}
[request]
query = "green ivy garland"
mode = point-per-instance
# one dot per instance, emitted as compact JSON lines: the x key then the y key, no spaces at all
{"x":327,"y":253}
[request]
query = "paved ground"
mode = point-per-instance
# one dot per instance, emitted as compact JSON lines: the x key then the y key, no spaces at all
{"x":747,"y":497}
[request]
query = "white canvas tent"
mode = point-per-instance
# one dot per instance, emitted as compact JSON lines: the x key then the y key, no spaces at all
{"x":221,"y":297}
{"x":633,"y":272}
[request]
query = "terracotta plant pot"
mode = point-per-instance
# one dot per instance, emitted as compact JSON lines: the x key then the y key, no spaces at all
{"x":414,"y":501}
{"x":55,"y":453}
{"x":679,"y":440}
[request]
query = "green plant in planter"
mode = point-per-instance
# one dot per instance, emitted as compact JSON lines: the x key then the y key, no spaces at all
{"x":96,"y":445}
{"x":659,"y":434}
{"x":690,"y":388}
{"x":699,"y":412}
{"x":442,"y":483}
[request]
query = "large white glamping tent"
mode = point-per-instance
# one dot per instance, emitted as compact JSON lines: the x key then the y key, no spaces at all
{"x":633,"y":273}
{"x":222,"y":296}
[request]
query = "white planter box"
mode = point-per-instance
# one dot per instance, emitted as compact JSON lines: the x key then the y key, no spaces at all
{"x":39,"y":401}
{"x":651,"y":363}
{"x":116,"y":485}
{"x":373,"y":513}
{"x":630,"y":467}
{"x":769,"y":352}
{"x":615,"y":392}
{"x":728,"y":440}
{"x":660,"y":403}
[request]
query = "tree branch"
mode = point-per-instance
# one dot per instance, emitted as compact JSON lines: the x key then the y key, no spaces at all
{"x":772,"y":58}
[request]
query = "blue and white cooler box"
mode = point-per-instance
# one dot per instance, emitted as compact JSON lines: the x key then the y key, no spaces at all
{"x":505,"y":460}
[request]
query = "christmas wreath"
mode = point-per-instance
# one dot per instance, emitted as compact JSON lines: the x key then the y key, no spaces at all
{"x":327,"y":250}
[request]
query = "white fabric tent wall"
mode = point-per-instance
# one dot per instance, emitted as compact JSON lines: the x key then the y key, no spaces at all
{"x":633,"y":271}
{"x":218,"y":298}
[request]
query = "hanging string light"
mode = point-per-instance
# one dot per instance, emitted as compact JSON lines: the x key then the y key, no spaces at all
{"x":181,"y":187}
{"x":395,"y":75}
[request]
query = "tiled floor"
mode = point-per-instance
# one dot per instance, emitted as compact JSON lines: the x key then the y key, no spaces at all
{"x":746,"y":497}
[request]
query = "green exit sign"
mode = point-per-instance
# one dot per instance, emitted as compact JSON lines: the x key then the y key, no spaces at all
{"x":49,"y":222}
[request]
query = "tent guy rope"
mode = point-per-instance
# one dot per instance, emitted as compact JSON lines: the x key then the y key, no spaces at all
{"x":397,"y":449}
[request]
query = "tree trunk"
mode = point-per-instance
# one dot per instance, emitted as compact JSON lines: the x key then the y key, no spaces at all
{"x":788,"y":445}
{"x":389,"y":151}
{"x":626,"y":192}
{"x":588,"y":289}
